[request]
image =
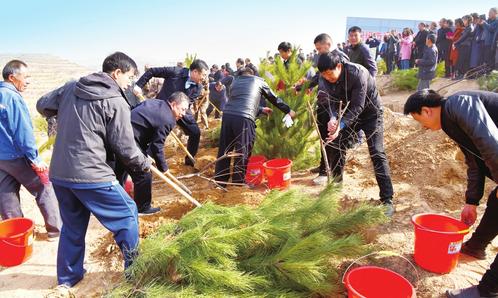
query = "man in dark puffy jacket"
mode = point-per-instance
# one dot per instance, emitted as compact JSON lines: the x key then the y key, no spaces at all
{"x":94,"y":123}
{"x":353,"y":85}
{"x":238,"y":127}
{"x":427,"y":64}
{"x":470,"y":118}
{"x":188,"y":81}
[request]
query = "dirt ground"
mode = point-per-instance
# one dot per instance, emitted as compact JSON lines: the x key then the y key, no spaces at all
{"x":428,"y":175}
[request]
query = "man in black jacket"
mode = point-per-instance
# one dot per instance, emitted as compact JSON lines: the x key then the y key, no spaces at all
{"x":152,"y":122}
{"x":419,"y":40}
{"x":358,"y":52}
{"x":444,"y":45}
{"x":470,"y":118}
{"x":94,"y":123}
{"x":238,"y":127}
{"x":352,"y":84}
{"x":188,"y":81}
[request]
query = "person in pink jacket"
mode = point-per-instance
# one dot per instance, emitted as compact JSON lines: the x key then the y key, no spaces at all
{"x":405,"y":51}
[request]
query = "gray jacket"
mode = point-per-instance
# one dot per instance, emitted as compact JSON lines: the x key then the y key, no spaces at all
{"x":93,"y":121}
{"x":427,"y":64}
{"x":470,"y":118}
{"x":245,"y":95}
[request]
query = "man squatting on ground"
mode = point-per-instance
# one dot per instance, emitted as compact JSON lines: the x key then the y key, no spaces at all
{"x":238,"y":127}
{"x":470,"y":118}
{"x":94,"y":123}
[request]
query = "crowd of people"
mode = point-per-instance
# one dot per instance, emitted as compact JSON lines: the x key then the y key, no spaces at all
{"x":108,"y":126}
{"x":464,"y":44}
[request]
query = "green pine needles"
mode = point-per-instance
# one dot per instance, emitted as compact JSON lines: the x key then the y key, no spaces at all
{"x":290,"y":246}
{"x":489,"y":82}
{"x":298,"y":142}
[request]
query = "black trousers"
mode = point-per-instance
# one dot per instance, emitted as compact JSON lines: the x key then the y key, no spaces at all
{"x":189,"y":126}
{"x":220,"y":105}
{"x":485,"y":232}
{"x":489,"y":57}
{"x":463,"y":62}
{"x":237,"y":134}
{"x":142,"y":185}
{"x":390,"y":62}
{"x":336,"y":150}
{"x":445,"y":56}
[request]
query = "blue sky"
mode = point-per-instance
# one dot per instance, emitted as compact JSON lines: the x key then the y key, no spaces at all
{"x":162,"y":32}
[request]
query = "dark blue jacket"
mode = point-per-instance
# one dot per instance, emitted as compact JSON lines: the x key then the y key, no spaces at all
{"x":152,"y":122}
{"x":427,"y":64}
{"x":217,"y":96}
{"x":16,"y":131}
{"x":372,"y":42}
{"x":470,"y":118}
{"x":174,"y":80}
{"x":489,"y":31}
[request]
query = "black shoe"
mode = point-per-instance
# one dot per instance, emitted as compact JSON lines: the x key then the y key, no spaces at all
{"x":470,"y":292}
{"x":389,"y":208}
{"x":149,"y":211}
{"x":189,"y":162}
{"x":479,"y":254}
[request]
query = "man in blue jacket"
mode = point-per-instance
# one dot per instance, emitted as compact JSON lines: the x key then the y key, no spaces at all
{"x":188,"y":81}
{"x":152,"y":122}
{"x":217,"y":97}
{"x":470,"y":118}
{"x":490,"y":29}
{"x":19,"y":160}
{"x":427,"y":64}
{"x":94,"y":123}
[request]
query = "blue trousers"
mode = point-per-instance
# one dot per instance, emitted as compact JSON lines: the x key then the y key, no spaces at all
{"x":405,"y":64}
{"x":112,"y":207}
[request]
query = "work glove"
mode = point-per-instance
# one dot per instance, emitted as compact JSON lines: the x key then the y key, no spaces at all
{"x":287,"y":121}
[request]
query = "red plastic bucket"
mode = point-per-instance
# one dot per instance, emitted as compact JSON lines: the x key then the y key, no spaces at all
{"x":278,"y":173}
{"x":129,"y":187}
{"x":16,"y":241}
{"x":438,"y":239}
{"x":255,"y":171}
{"x":377,"y":282}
